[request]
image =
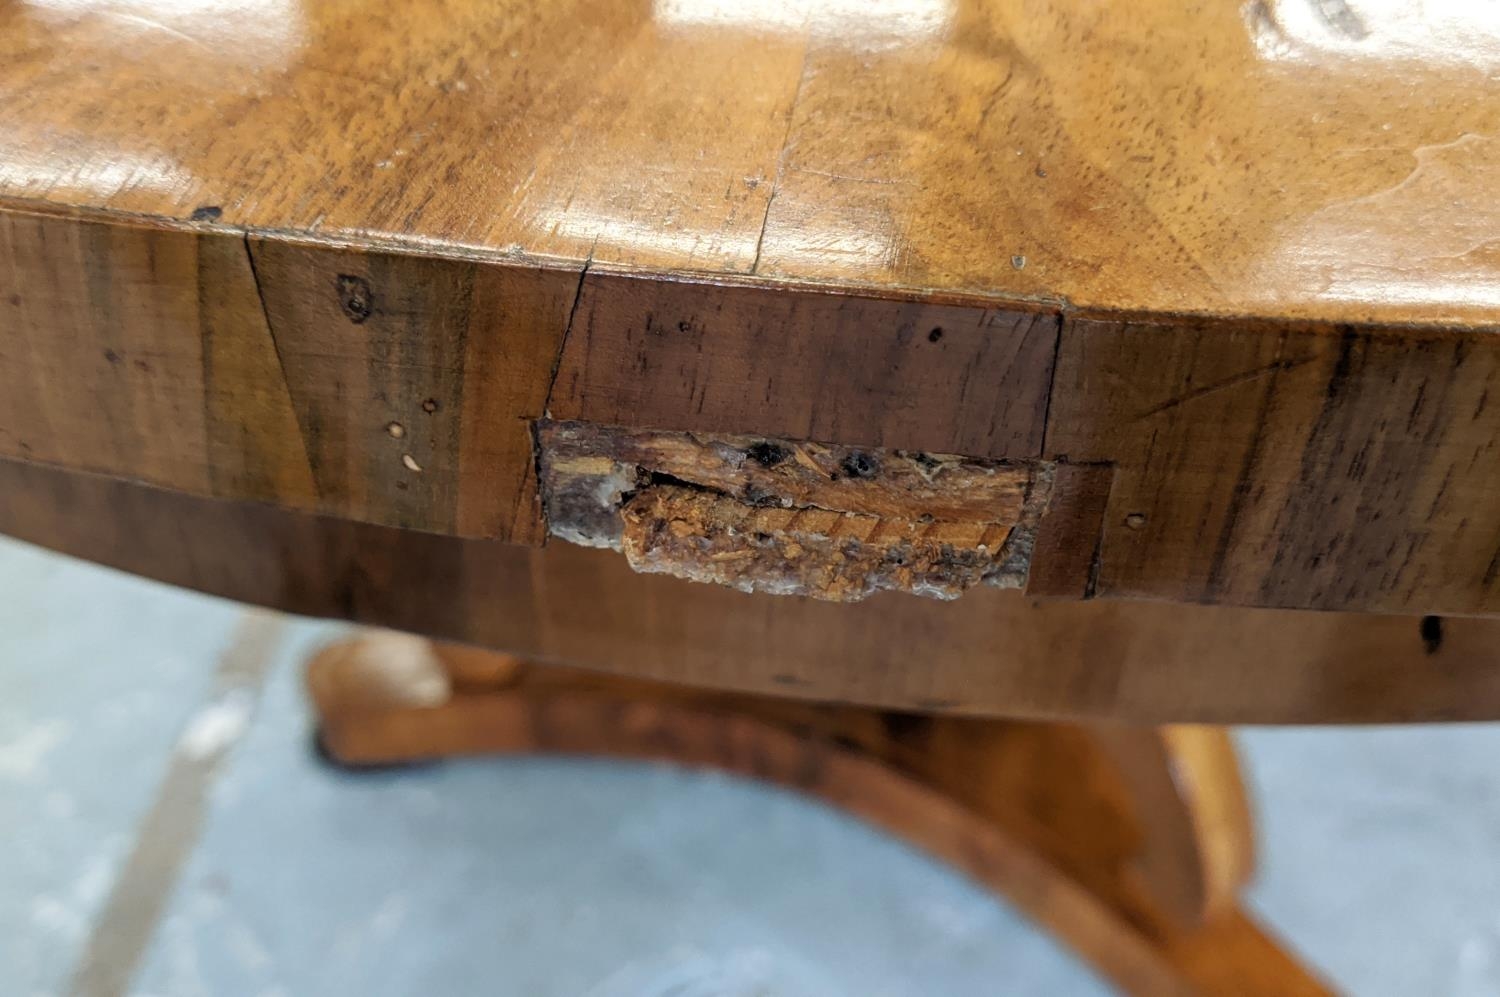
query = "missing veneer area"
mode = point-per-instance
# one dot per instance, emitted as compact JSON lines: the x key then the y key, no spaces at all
{"x":792,"y":517}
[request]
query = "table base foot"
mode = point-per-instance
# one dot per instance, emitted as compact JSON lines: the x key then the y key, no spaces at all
{"x":1130,"y":845}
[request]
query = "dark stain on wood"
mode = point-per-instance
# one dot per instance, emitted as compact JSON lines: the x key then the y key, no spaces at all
{"x":1431,"y":631}
{"x":356,"y":298}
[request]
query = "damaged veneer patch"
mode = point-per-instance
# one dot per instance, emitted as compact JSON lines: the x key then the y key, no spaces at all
{"x":793,"y":518}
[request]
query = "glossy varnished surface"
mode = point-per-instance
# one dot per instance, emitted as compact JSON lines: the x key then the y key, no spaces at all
{"x":1273,"y":159}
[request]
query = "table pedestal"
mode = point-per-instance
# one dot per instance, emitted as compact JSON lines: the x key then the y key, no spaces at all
{"x":1129,"y":844}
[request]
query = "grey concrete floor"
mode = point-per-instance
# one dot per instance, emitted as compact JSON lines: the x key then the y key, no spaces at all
{"x":167,"y":832}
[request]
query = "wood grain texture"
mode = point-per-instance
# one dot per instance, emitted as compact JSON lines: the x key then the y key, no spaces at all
{"x":1133,"y":238}
{"x":383,"y":387}
{"x":992,"y":652}
{"x":762,"y":471}
{"x":379,"y":350}
{"x":839,"y":556}
{"x":1325,"y":468}
{"x":807,"y":366}
{"x":1065,"y":551}
{"x":796,"y":518}
{"x":101,"y":346}
{"x":1197,"y":842}
{"x":1044,"y":814}
{"x":1163,"y":158}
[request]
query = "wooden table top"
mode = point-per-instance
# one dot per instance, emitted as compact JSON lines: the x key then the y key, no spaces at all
{"x":1272,"y":159}
{"x":1181,"y":302}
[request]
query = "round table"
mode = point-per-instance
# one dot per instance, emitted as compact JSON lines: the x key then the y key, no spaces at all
{"x":949,"y":408}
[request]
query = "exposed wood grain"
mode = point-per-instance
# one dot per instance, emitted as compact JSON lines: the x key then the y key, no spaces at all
{"x":1039,"y":813}
{"x":797,"y":518}
{"x":992,"y":652}
{"x":841,"y":557}
{"x":764,"y":471}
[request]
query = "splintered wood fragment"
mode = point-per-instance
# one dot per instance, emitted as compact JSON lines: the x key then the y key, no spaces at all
{"x":876,"y":481}
{"x":836,"y":556}
{"x":792,"y":517}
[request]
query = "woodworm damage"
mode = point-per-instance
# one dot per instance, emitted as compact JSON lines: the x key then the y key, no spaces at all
{"x":792,"y":518}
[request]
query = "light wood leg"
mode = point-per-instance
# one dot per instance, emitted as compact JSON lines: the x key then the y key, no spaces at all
{"x":1128,"y":844}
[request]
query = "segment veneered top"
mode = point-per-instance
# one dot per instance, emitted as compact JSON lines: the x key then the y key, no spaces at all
{"x":1293,"y":159}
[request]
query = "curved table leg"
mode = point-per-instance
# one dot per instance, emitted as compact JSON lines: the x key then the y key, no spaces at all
{"x":1130,"y":845}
